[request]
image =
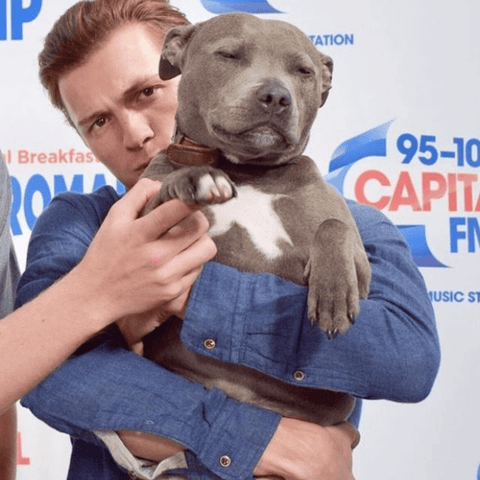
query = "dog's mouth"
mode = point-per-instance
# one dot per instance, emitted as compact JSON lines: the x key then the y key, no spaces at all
{"x":259,"y":139}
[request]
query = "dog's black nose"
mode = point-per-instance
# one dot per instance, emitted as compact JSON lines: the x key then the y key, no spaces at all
{"x":273,"y":96}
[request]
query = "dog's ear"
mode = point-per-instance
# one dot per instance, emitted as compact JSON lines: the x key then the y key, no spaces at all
{"x":327,"y":73}
{"x":174,"y":47}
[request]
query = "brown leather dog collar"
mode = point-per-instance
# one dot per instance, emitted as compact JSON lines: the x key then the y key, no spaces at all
{"x":188,"y":153}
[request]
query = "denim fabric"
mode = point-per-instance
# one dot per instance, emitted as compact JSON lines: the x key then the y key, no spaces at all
{"x":392,"y":351}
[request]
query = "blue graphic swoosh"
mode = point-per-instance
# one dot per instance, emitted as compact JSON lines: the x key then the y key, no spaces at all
{"x":415,"y":235}
{"x":373,"y":143}
{"x":231,"y":6}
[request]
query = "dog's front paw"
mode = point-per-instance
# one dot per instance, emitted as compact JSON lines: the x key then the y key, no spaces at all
{"x":198,"y":185}
{"x":336,"y":283}
{"x":333,"y":300}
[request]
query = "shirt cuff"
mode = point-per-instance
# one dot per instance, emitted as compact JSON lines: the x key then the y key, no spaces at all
{"x":237,"y":440}
{"x":137,"y":467}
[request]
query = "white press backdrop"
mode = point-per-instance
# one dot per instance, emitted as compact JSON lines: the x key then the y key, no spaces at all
{"x":400,"y":131}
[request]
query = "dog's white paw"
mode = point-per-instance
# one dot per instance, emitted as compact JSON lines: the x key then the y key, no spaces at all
{"x":214,"y":189}
{"x":198,"y":185}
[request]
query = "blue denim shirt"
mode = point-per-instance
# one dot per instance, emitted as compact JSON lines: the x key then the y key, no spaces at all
{"x":392,"y":351}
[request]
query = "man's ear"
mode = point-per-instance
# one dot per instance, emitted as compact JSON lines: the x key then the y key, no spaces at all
{"x":326,"y":73}
{"x":174,"y":48}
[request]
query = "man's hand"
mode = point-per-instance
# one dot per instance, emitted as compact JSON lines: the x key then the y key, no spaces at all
{"x":297,"y":451}
{"x":306,"y":451}
{"x":136,"y":265}
{"x":146,"y":445}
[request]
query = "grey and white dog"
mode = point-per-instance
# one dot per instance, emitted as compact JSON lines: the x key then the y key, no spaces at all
{"x":248,"y":96}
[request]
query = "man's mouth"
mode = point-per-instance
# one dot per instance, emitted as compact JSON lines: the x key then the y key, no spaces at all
{"x":142,"y":167}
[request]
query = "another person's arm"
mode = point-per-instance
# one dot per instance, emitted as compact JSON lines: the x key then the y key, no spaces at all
{"x":9,"y":274}
{"x":8,"y":443}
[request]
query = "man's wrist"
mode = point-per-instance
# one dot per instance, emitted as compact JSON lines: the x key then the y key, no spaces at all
{"x":237,"y":440}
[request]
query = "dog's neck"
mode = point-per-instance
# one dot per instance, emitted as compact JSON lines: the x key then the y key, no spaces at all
{"x":185,"y":152}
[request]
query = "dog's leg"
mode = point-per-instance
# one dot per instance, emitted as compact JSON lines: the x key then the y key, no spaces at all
{"x":331,"y":273}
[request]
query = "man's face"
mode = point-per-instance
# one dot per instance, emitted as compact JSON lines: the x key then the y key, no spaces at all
{"x":116,"y":100}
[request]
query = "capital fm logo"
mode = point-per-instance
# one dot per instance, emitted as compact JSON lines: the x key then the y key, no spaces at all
{"x":235,"y":6}
{"x":420,"y":175}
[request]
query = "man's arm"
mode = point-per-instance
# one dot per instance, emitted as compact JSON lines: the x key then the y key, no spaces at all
{"x":392,"y":352}
{"x":251,"y":297}
{"x":108,"y":387}
{"x":116,"y":275}
{"x":120,"y":390}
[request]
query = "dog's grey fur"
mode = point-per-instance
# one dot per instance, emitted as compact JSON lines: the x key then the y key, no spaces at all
{"x":252,"y":89}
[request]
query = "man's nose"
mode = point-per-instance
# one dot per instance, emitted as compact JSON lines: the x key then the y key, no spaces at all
{"x":136,"y":130}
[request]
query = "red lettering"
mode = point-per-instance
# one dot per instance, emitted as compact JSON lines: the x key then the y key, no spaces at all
{"x":22,"y":156}
{"x":477,"y":206}
{"x":430,"y":193}
{"x":468,"y":179}
{"x":62,"y":158}
{"x":21,"y":460}
{"x":435,"y":186}
{"x":361,"y":182}
{"x":452,"y":192}
{"x":410,"y":198}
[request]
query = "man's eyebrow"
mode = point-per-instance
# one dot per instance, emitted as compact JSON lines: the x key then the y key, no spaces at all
{"x":140,"y":84}
{"x":127,"y":96}
{"x":84,"y":122}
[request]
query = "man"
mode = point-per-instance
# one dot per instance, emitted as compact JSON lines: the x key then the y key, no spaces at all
{"x":99,"y":66}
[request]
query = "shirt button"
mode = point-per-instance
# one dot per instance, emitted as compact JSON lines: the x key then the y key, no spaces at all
{"x":209,"y":344}
{"x":299,"y":376}
{"x":225,"y":461}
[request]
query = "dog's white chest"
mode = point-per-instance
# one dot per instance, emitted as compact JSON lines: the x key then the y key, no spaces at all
{"x":252,"y":210}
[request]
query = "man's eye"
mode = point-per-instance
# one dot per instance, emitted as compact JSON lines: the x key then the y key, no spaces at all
{"x":148,"y":92}
{"x":99,"y":123}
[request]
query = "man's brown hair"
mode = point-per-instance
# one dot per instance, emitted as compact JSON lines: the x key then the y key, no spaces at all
{"x":85,"y":26}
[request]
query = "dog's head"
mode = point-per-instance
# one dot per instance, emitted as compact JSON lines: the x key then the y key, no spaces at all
{"x":250,"y":87}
